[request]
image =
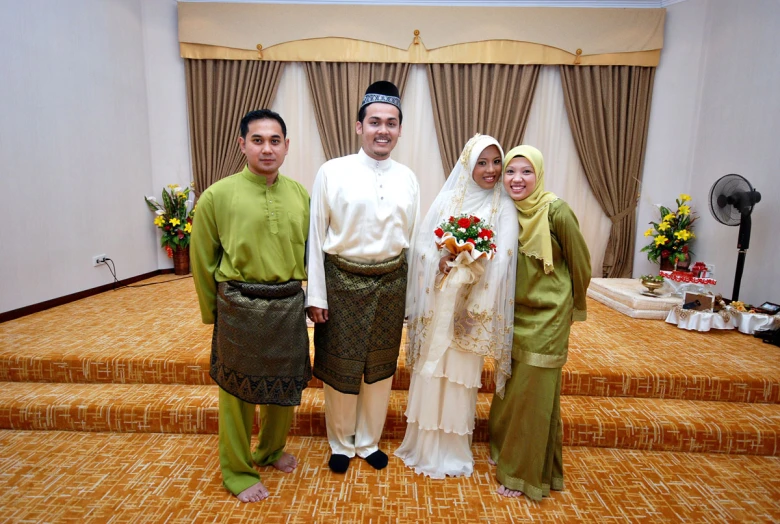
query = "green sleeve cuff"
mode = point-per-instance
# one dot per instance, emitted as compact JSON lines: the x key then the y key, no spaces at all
{"x":579,"y":315}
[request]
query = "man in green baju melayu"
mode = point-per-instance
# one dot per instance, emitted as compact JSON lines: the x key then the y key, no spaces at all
{"x":247,"y":251}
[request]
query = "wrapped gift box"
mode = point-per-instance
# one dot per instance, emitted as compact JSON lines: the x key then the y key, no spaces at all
{"x":704,"y":301}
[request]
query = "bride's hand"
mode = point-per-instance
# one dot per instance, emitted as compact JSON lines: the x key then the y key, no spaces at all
{"x":443,"y":267}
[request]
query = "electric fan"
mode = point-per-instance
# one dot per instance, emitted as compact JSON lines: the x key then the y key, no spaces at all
{"x":731,"y":202}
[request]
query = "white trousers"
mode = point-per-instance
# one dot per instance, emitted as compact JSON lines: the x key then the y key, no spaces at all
{"x":355,"y":422}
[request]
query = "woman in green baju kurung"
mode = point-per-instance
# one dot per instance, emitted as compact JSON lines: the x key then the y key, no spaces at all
{"x":553,"y":273}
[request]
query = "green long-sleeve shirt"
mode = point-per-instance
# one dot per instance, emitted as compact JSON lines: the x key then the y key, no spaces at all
{"x":546,"y":304}
{"x":248,"y":231}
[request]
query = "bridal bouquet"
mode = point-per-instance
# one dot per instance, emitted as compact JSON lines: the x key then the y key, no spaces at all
{"x":466,"y":233}
{"x":469,"y":239}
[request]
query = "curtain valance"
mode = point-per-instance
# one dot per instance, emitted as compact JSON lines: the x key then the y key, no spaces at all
{"x":420,"y":34}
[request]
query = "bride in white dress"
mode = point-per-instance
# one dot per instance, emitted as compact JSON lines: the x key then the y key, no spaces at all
{"x":448,"y":341}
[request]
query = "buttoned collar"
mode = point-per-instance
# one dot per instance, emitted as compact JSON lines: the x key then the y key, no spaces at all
{"x":381,"y":165}
{"x":258,"y":180}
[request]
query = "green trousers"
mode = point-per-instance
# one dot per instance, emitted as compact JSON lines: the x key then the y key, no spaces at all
{"x":236,"y":458}
{"x":526,"y":431}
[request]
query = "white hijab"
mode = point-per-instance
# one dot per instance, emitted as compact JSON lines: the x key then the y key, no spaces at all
{"x":484,"y":326}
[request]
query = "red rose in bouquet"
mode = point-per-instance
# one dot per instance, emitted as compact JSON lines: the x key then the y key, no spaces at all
{"x":466,"y":233}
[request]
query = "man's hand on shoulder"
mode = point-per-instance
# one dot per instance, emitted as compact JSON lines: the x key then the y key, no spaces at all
{"x":317,"y":314}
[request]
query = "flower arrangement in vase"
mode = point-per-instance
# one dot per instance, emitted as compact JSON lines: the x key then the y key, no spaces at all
{"x":670,"y":238}
{"x":174,"y":218}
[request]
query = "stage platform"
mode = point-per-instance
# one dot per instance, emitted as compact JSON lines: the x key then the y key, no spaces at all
{"x":107,"y":401}
{"x":630,"y":297}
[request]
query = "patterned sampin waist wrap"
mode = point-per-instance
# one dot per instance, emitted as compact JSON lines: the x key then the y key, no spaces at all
{"x":362,"y":337}
{"x":260,"y":346}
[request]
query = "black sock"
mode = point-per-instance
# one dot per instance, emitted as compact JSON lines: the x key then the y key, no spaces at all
{"x":377,"y":459}
{"x":339,"y":463}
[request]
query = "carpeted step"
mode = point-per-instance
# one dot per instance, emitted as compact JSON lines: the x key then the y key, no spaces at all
{"x":613,"y":378}
{"x":649,"y":424}
{"x":616,"y":380}
{"x":132,"y":336}
{"x":645,"y":424}
{"x":123,"y":477}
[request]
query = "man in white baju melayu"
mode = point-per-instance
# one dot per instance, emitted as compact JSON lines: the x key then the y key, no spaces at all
{"x":364,"y":208}
{"x":453,"y":326}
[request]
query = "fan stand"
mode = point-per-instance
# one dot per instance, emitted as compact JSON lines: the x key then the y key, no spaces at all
{"x":743,"y":242}
{"x":730,"y":193}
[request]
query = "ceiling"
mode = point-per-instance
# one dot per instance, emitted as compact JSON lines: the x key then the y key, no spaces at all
{"x":493,"y":3}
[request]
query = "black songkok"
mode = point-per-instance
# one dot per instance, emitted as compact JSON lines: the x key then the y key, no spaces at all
{"x":382,"y":91}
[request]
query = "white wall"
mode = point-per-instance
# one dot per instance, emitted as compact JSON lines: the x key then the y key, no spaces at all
{"x":715,"y":111}
{"x":673,"y":118}
{"x":74,"y":147}
{"x":166,"y":93}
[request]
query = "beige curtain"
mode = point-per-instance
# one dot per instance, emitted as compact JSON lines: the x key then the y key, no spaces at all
{"x":219,"y":94}
{"x":492,"y":99}
{"x":609,"y":111}
{"x":337,"y":88}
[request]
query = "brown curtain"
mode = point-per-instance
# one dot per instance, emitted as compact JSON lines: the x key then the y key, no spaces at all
{"x":609,"y":110}
{"x":337,"y":89}
{"x":219,"y":94}
{"x":491,"y":99}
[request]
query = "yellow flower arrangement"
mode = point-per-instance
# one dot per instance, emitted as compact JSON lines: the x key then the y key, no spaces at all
{"x":174,"y":216}
{"x":739,"y":306}
{"x":670,"y":237}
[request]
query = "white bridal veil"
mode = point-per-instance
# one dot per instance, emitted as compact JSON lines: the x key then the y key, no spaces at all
{"x":483,"y":311}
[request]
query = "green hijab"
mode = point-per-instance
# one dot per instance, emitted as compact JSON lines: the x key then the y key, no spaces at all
{"x":535,"y":240}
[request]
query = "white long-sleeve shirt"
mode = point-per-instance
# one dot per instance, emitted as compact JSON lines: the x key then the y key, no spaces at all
{"x":363,"y":210}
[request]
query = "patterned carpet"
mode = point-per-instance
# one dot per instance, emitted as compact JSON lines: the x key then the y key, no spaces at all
{"x":660,"y":425}
{"x":135,"y":478}
{"x":106,"y":338}
{"x":628,"y":423}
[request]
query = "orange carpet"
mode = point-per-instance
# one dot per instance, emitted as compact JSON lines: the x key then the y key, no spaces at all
{"x":136,"y":478}
{"x":154,"y":335}
{"x":660,"y":424}
{"x":628,"y":423}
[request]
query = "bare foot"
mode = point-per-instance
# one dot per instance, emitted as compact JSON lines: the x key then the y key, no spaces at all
{"x":491,"y":461}
{"x":254,"y":493}
{"x":506,"y":492}
{"x":286,"y":463}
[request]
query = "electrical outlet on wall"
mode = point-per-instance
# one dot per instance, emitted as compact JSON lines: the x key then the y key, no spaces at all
{"x":98,"y":259}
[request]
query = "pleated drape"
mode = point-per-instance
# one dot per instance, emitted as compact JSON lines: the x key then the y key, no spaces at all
{"x":337,"y":89}
{"x":219,"y":94}
{"x":492,"y":99}
{"x":609,"y":112}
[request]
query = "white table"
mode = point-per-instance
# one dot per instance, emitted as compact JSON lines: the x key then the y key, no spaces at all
{"x":749,"y":323}
{"x":700,"y":320}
